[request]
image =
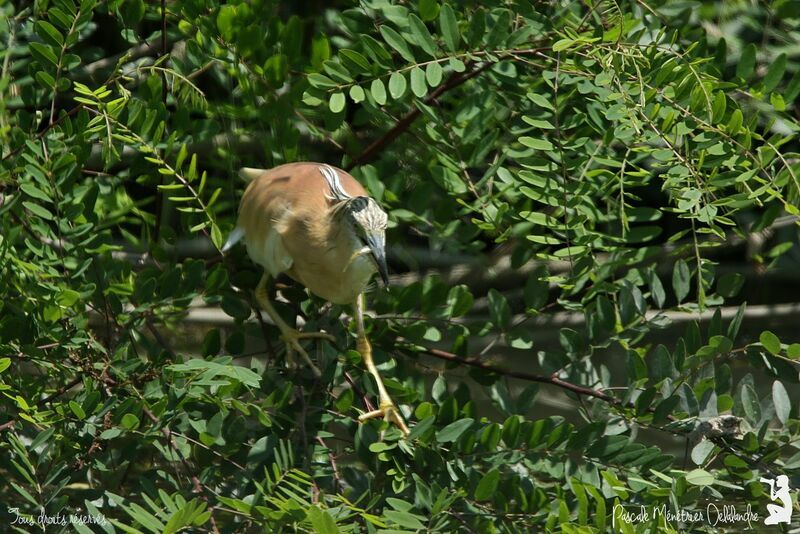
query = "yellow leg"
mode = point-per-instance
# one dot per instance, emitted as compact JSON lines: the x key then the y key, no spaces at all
{"x":387,"y":409}
{"x":291,"y":336}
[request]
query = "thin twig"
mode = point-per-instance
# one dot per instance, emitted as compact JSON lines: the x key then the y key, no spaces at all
{"x":197,"y":485}
{"x":332,"y":458}
{"x":543,"y":379}
{"x":46,"y":129}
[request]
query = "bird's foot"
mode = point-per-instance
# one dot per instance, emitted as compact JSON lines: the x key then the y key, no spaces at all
{"x":390,"y":413}
{"x":292,"y":339}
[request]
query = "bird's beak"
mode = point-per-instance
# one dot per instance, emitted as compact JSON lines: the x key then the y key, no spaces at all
{"x":376,"y":248}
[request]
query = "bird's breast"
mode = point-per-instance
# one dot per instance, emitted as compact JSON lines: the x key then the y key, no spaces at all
{"x":335,"y":277}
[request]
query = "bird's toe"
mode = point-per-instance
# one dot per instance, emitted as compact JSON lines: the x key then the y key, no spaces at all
{"x":315,"y":335}
{"x":293,"y":347}
{"x":390,"y":414}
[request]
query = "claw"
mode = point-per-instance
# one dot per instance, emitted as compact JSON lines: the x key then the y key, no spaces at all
{"x":390,"y":414}
{"x":292,"y":339}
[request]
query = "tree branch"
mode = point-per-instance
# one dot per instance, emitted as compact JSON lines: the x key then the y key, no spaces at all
{"x":553,"y":380}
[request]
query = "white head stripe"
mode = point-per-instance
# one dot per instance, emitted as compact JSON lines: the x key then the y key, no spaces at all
{"x":332,"y":177}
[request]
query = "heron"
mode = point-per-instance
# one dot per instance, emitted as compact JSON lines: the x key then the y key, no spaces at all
{"x":317,"y":224}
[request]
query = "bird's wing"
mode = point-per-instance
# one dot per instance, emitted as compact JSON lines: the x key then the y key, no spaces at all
{"x":283,"y":212}
{"x":264,"y":212}
{"x":264,"y":238}
{"x":271,"y":254}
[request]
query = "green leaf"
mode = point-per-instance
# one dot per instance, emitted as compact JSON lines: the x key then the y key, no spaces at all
{"x":396,"y":41}
{"x":354,"y":61}
{"x":43,"y":53}
{"x":459,"y":301}
{"x":792,"y":88}
{"x":777,"y":102}
{"x":433,"y":74}
{"x":487,"y":485}
{"x":49,"y":33}
{"x":538,"y":144}
{"x":337,"y":71}
{"x":730,"y":284}
{"x":132,"y":12}
{"x":399,"y":504}
{"x":397,"y":85}
{"x":4,"y":364}
{"x":735,"y":122}
{"x":225,"y":20}
{"x":775,"y":73}
{"x":67,"y":297}
{"x":77,"y":410}
{"x":681,"y":280}
{"x":420,"y":428}
{"x":428,"y":9}
{"x":736,"y":322}
{"x":46,"y":79}
{"x":701,"y":451}
{"x":418,"y":86}
{"x":456,"y":64}
{"x":499,"y":310}
{"x":111,"y":433}
{"x":699,"y":477}
{"x":130,"y":421}
{"x":34,"y":192}
{"x":657,"y":290}
{"x":337,"y":102}
{"x":476,"y":29}
{"x":422,"y":35}
{"x":770,"y":342}
{"x":405,"y":519}
{"x":320,"y":81}
{"x":747,"y":62}
{"x":211,"y":370}
{"x":718,"y":107}
{"x":235,"y":307}
{"x":357,"y":94}
{"x":322,"y":521}
{"x":571,"y":341}
{"x":660,"y":364}
{"x":562,"y":44}
{"x":448,"y":27}
{"x":780,"y":398}
{"x":793,"y":351}
{"x":538,"y":123}
{"x":499,"y":33}
{"x":540,"y":100}
{"x":59,"y":17}
{"x":24,"y":493}
{"x":378,"y":91}
{"x":36,"y":209}
{"x":751,"y":404}
{"x":454,"y":430}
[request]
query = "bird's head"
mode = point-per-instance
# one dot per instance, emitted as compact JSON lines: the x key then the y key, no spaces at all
{"x":368,"y":223}
{"x":363,"y":217}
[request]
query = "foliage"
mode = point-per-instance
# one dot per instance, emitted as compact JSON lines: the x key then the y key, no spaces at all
{"x":593,"y":161}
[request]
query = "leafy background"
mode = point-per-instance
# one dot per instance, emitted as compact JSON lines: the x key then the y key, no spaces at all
{"x":593,"y":208}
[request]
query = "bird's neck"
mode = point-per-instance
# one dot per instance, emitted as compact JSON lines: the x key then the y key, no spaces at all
{"x":349,"y":251}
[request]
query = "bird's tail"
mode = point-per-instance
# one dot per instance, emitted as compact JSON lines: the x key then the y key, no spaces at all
{"x":235,"y":237}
